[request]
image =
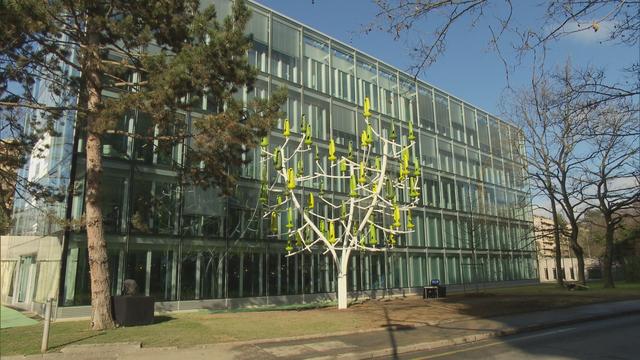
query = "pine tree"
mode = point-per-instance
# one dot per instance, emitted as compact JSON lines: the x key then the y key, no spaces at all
{"x":160,"y":58}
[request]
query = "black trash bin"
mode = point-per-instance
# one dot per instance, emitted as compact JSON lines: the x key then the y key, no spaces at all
{"x":131,"y":310}
{"x":442,"y":291}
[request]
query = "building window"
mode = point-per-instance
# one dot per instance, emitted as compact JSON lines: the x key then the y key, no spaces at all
{"x":546,"y":273}
{"x":573,"y":277}
{"x":316,"y":58}
{"x":343,"y":85}
{"x":425,"y":108}
{"x":442,"y":114}
{"x":555,"y":275}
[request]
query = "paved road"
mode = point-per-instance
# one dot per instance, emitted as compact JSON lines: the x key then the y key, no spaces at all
{"x":617,"y":338}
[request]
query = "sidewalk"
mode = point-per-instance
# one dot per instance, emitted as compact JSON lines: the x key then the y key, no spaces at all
{"x":12,"y":318}
{"x":393,"y":339}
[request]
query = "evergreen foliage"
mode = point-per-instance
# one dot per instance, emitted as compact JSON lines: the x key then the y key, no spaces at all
{"x":161,"y":58}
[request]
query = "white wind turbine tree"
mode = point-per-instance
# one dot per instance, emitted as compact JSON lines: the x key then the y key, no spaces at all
{"x":382,"y":190}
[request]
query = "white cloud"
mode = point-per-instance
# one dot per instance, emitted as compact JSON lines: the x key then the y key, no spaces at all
{"x":585,"y":32}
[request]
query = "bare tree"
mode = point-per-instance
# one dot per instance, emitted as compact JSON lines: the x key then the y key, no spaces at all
{"x":553,"y":116}
{"x":559,"y":106}
{"x":614,"y":173}
{"x":532,"y":107}
{"x":425,"y":24}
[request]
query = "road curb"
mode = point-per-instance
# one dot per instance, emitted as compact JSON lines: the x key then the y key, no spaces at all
{"x":468,"y":339}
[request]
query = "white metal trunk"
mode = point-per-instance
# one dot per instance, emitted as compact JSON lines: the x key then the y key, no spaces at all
{"x":342,"y":282}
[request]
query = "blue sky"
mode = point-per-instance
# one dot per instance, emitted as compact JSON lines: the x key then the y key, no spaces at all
{"x":468,"y":69}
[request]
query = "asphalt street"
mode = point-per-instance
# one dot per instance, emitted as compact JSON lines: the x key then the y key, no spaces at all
{"x":617,"y":338}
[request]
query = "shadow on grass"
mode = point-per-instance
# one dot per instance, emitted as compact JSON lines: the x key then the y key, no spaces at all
{"x":292,"y":307}
{"x":392,"y":328}
{"x":58,"y":347}
{"x":159,"y":319}
{"x":156,"y":320}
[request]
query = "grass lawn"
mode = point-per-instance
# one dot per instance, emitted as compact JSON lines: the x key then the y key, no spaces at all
{"x":187,"y":329}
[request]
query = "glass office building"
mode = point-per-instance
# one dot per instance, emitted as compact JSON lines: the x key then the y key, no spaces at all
{"x":188,"y":245}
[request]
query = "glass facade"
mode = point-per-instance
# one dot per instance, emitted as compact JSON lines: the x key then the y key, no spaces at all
{"x":179,"y":242}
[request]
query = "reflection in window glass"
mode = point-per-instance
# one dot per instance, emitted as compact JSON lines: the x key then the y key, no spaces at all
{"x":436,"y":268}
{"x":428,"y":152}
{"x":487,"y":169}
{"x":448,"y":193}
{"x":446,"y":156}
{"x":112,"y":202}
{"x":343,"y":80}
{"x":474,"y":165}
{"x":137,"y":268}
{"x":466,"y":233}
{"x":257,"y":28}
{"x":291,"y":109}
{"x":417,"y":237}
{"x":494,"y":130}
{"x":317,"y":112}
{"x":434,"y":231}
{"x":470,"y":126}
{"x":505,"y":140}
{"x":285,"y":51}
{"x":417,"y":264}
{"x":367,"y":83}
{"x":408,"y":103}
{"x":483,"y":133}
{"x":154,"y":207}
{"x":453,"y":270}
{"x":252,"y":271}
{"x":117,"y":146}
{"x":442,"y":114}
{"x":431,"y":189}
{"x":460,"y":160}
{"x":456,"y":121}
{"x":378,"y":273}
{"x":388,"y":93}
{"x":162,"y":275}
{"x":450,"y":224}
{"x":498,"y":172}
{"x":316,"y":60}
{"x":397,"y":270}
{"x":343,"y":123}
{"x":425,"y":108}
{"x":463,"y":195}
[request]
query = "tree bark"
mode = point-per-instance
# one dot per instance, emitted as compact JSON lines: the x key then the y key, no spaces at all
{"x":577,"y":250}
{"x":556,"y":242}
{"x":97,"y":247}
{"x":98,"y":261}
{"x":608,"y":258}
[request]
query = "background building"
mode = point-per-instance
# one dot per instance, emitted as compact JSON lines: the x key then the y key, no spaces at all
{"x":190,"y":248}
{"x":545,"y":243}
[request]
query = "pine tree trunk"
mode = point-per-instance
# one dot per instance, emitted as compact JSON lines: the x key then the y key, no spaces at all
{"x":98,"y":261}
{"x":608,"y":259}
{"x":97,"y":247}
